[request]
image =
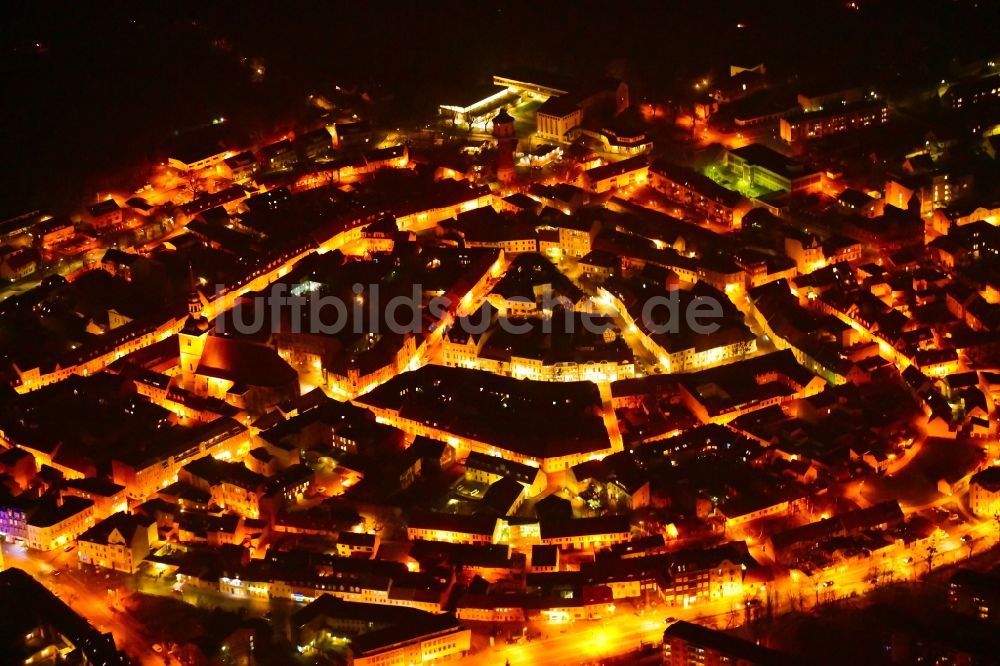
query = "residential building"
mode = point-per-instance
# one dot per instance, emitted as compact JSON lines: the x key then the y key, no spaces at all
{"x":762,"y":167}
{"x":241,"y":167}
{"x":976,"y":594}
{"x":119,"y":542}
{"x":802,"y":126}
{"x":688,"y":644}
{"x":625,"y":173}
{"x":984,"y":493}
{"x":231,"y":486}
{"x":14,"y":519}
{"x":585,"y":533}
{"x":19,"y":464}
{"x":53,"y":525}
{"x":105,"y":215}
{"x":967,"y":93}
{"x":143,"y":472}
{"x":453,"y":528}
{"x":378,"y":635}
{"x":687,"y":186}
{"x":353,"y":544}
{"x":52,"y":233}
{"x":487,"y":469}
{"x":108,"y":497}
{"x":707,"y":574}
{"x":18,"y":264}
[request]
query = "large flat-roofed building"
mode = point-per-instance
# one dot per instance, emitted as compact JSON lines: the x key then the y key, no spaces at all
{"x":802,"y":126}
{"x":557,"y":116}
{"x":479,"y":104}
{"x":105,"y":214}
{"x":533,"y":83}
{"x":763,"y":167}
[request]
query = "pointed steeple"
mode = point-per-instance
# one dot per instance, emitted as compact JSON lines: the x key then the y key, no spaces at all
{"x":194,"y":298}
{"x":196,"y":323}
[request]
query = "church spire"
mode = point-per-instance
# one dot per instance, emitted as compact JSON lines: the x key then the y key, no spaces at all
{"x":194,"y":297}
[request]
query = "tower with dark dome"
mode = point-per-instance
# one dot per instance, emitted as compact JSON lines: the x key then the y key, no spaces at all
{"x":503,"y":131}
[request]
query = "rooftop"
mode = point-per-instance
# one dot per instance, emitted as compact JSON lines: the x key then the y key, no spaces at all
{"x":762,"y":156}
{"x":724,"y":644}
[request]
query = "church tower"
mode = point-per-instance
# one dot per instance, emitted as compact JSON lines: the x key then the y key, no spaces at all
{"x":503,"y":131}
{"x":192,"y":337}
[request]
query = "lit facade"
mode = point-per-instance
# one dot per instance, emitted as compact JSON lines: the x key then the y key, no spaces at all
{"x":204,"y":161}
{"x":766,"y":168}
{"x":443,"y":646}
{"x":556,"y":124}
{"x":51,"y":529}
{"x":984,"y":493}
{"x":691,"y":188}
{"x":225,"y":438}
{"x":626,"y":173}
{"x":119,"y":543}
{"x":800,"y":127}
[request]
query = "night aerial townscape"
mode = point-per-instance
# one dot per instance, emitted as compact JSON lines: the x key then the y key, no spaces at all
{"x":500,"y":333}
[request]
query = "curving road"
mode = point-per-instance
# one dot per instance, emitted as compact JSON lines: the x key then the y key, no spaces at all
{"x":86,"y":596}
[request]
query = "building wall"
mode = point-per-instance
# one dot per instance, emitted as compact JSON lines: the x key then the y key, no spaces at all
{"x":983,"y":502}
{"x":439,"y":647}
{"x":715,"y":211}
{"x":13,"y":523}
{"x":627,"y":179}
{"x":586,"y":541}
{"x":414,"y":533}
{"x":119,"y":556}
{"x":143,"y":482}
{"x":804,"y":128}
{"x":555,"y":128}
{"x":62,"y":533}
{"x":198,"y":165}
{"x":699,"y":585}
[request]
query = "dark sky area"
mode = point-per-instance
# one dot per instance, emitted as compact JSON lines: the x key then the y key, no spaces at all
{"x":93,"y":91}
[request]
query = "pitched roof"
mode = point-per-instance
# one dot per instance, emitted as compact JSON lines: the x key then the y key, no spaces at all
{"x":125,"y":524}
{"x":723,"y":643}
{"x":451,"y":522}
{"x":989,"y":478}
{"x":555,"y":529}
{"x":244,"y":363}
